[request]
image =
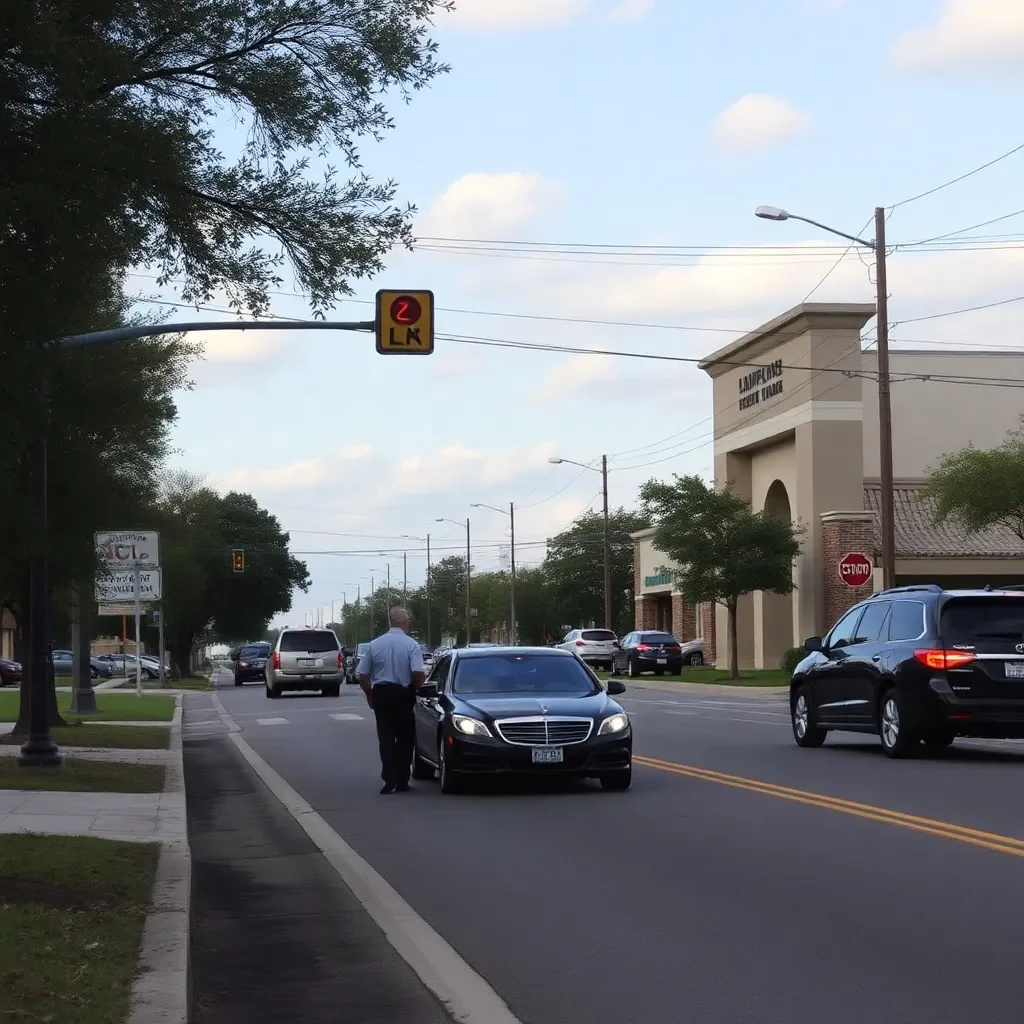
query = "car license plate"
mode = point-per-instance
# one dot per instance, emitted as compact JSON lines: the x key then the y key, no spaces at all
{"x":1014,"y":669}
{"x":548,"y":755}
{"x":663,"y":661}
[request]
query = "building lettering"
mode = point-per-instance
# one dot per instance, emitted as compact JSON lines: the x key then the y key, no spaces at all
{"x":761,"y":384}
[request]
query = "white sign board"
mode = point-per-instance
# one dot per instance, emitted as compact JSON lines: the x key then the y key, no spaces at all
{"x":504,"y":557}
{"x":120,"y":586}
{"x":128,"y":608}
{"x":122,"y":549}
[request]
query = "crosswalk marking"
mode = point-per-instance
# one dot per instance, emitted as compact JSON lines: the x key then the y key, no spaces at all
{"x":271,"y":721}
{"x":347,"y":718}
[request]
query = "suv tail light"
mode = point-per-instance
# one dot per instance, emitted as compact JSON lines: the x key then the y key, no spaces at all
{"x":341,"y":659}
{"x":277,"y":661}
{"x":940,"y":659}
{"x":643,"y":647}
{"x":581,"y":643}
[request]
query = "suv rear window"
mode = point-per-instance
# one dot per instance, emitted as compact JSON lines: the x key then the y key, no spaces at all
{"x":657,"y":638}
{"x":968,"y":620}
{"x":313,"y":641}
{"x":599,"y":634}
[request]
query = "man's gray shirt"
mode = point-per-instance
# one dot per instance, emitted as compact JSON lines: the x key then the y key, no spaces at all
{"x":392,"y":658}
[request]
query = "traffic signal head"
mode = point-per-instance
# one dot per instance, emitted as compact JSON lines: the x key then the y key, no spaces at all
{"x":405,"y":322}
{"x":238,"y":560}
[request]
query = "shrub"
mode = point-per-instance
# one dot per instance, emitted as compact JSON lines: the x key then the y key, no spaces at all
{"x":791,"y":658}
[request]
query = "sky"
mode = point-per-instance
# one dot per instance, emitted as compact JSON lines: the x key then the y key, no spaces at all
{"x":600,"y":160}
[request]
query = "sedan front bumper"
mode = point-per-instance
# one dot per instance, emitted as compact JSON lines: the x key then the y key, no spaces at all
{"x":490,"y":756}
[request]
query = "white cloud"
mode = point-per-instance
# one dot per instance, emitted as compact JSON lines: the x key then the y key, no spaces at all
{"x":510,"y":14}
{"x":756,"y":122}
{"x":241,"y":346}
{"x":573,"y":377}
{"x":296,"y":476}
{"x":478,"y":205}
{"x":631,"y":10}
{"x":968,"y":34}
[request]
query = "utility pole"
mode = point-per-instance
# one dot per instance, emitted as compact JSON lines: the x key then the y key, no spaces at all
{"x":469,"y":581}
{"x":513,"y":631}
{"x":371,"y":606}
{"x":405,"y":578}
{"x":884,"y":406}
{"x":607,"y":548}
{"x":428,"y":590}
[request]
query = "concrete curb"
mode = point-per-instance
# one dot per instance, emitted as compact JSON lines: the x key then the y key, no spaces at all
{"x":708,"y":689}
{"x":466,"y":996}
{"x":162,"y":993}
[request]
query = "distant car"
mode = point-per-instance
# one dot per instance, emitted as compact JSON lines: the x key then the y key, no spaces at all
{"x":519,"y":710}
{"x":428,"y":658}
{"x":476,"y":645}
{"x":251,"y":664}
{"x":64,"y":662}
{"x":648,"y":650}
{"x":596,"y":647}
{"x":352,"y":663}
{"x":305,"y":659}
{"x":10,"y":672}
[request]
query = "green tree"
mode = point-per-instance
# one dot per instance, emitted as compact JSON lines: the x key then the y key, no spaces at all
{"x":720,"y":548}
{"x":978,"y":489}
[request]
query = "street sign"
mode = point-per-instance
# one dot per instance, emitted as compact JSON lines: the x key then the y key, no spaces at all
{"x":119,"y":610}
{"x":855,"y":569}
{"x":405,"y":323}
{"x":123,"y":549}
{"x":120,"y":586}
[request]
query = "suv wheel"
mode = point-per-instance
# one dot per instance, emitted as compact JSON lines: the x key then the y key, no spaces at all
{"x":806,"y":730}
{"x":897,"y":733}
{"x":238,"y":682}
{"x":942,"y":738}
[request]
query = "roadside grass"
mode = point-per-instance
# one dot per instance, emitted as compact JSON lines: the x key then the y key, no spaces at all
{"x":72,"y":911}
{"x":153,"y":685}
{"x":78,"y":775}
{"x":123,"y":737}
{"x":113,"y":707}
{"x":748,"y":677}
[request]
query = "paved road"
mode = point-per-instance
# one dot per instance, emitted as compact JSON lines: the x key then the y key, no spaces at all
{"x":741,"y":880}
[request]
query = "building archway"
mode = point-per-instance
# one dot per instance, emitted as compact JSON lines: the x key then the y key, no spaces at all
{"x":776,"y":625}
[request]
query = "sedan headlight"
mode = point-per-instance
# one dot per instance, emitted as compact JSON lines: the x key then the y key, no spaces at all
{"x":613,"y":724}
{"x":470,"y":726}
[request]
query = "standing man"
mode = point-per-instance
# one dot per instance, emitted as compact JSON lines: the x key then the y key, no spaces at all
{"x":389,"y":673}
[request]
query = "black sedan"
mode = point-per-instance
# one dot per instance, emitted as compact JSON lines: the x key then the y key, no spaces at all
{"x":519,"y":710}
{"x":251,"y":664}
{"x":10,"y":672}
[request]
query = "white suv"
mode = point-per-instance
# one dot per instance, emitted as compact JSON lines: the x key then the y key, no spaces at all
{"x":306,"y":659}
{"x":596,"y":647}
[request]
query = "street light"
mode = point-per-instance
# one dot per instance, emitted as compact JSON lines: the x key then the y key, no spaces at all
{"x":409,"y":536}
{"x":555,"y":461}
{"x":884,"y":397}
{"x":513,"y":630}
{"x":469,"y":573}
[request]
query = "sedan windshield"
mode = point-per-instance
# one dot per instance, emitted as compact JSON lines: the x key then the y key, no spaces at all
{"x":522,"y":674}
{"x":256,"y":651}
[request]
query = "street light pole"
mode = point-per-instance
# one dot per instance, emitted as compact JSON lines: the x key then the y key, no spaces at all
{"x":429,"y":596}
{"x":513,"y":631}
{"x":887,"y":497}
{"x":405,"y":578}
{"x":469,"y":573}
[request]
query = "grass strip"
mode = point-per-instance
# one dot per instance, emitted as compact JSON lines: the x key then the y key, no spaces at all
{"x":113,"y":707}
{"x":121,"y":737}
{"x":79,"y":775}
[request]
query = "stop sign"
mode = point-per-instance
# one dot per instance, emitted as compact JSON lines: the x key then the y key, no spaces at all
{"x":855,"y":569}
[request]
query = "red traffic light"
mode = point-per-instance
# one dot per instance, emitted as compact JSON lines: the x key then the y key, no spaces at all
{"x":406,"y":310}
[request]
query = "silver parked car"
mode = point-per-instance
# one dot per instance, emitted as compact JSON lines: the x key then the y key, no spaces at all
{"x":596,"y":647}
{"x":306,"y":659}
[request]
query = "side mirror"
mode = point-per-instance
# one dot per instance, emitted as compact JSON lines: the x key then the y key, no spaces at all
{"x":812,"y":643}
{"x":427,"y":691}
{"x":615,"y":687}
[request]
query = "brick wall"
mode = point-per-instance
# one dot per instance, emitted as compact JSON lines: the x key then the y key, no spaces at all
{"x":648,"y":613}
{"x":707,"y":615}
{"x":841,"y":534}
{"x":684,"y":618}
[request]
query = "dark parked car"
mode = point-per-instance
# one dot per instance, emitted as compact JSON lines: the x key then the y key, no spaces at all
{"x":915,"y":664}
{"x":10,"y":672}
{"x":352,"y":663}
{"x":251,"y":664}
{"x":63,"y":665}
{"x":648,"y":651}
{"x":519,"y":710}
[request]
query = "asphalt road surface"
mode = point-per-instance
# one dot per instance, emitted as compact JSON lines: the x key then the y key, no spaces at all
{"x":740,"y":880}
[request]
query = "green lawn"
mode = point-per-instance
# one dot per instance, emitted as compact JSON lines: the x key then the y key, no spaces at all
{"x":77,"y":775}
{"x":152,"y":685}
{"x":113,"y":707}
{"x":71,"y":916}
{"x":123,"y":737}
{"x":748,"y":677}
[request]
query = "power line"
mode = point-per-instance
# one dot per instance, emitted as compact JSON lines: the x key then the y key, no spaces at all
{"x":956,"y":312}
{"x":962,"y":177}
{"x":984,"y":223}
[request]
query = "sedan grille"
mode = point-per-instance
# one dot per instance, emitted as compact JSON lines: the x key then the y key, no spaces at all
{"x":541,"y":732}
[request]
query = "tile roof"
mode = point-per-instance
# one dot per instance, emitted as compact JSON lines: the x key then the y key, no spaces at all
{"x":917,"y":535}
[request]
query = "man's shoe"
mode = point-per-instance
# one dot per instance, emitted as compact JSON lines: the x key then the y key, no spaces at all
{"x":402,"y":787}
{"x":387,"y":789}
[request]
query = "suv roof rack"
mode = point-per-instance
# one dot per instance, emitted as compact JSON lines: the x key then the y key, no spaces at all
{"x":932,"y":588}
{"x":1009,"y":586}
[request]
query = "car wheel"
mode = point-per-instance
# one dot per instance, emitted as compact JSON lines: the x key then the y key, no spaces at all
{"x":896,"y":731}
{"x":93,"y":674}
{"x":696,"y":658}
{"x":631,"y":669}
{"x":617,"y":782}
{"x":421,"y":771}
{"x":450,"y":782}
{"x":273,"y":692}
{"x":238,"y":682}
{"x":332,"y":690}
{"x":806,"y":730}
{"x":936,"y":740}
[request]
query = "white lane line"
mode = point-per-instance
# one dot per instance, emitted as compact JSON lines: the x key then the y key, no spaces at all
{"x":468,"y":998}
{"x":347,"y":718}
{"x":271,"y":721}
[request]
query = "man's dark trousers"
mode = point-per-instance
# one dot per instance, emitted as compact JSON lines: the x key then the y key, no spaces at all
{"x":396,"y":730}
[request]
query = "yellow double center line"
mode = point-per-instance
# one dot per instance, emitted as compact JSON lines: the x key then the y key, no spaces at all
{"x":986,"y":840}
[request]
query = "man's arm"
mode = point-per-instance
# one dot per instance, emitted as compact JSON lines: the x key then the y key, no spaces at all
{"x":417,"y":670}
{"x":366,"y":661}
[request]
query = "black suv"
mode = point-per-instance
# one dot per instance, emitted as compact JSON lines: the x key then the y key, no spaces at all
{"x":251,"y":663}
{"x":915,"y":664}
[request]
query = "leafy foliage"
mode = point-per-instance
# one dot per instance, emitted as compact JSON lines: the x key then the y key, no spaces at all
{"x":720,"y":547}
{"x":979,"y":489}
{"x":791,"y":657}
